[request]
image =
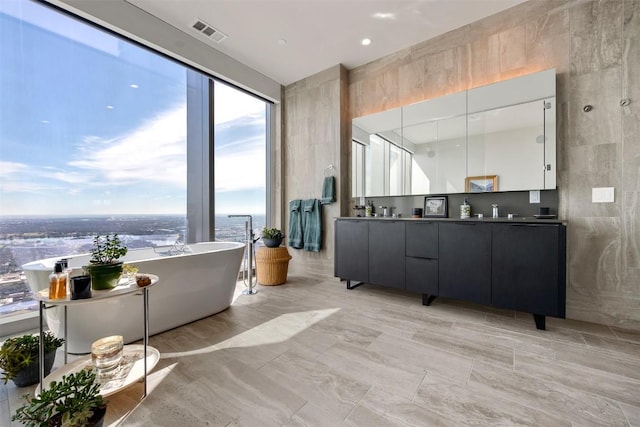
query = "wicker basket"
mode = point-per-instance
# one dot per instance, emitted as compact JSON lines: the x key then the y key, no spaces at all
{"x":272,"y":265}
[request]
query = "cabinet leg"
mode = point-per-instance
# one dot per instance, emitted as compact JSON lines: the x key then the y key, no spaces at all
{"x":427,"y":299}
{"x":540,"y":321}
{"x":350,"y":286}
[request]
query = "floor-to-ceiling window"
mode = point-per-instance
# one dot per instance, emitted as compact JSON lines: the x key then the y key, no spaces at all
{"x":240,"y":163}
{"x":94,"y":138}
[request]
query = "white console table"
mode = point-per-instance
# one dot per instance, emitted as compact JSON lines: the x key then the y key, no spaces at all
{"x":124,"y":288}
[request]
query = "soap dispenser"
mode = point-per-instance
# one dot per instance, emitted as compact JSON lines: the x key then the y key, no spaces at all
{"x":465,"y":210}
{"x":58,"y":282}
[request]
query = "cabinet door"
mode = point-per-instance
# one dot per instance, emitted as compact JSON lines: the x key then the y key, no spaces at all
{"x":351,"y":256}
{"x":386,"y":253}
{"x":422,"y":257}
{"x":422,"y":275}
{"x":528,"y":268}
{"x":464,"y":258}
{"x":422,"y":239}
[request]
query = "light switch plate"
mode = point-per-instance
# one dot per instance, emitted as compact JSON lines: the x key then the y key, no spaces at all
{"x":602,"y":195}
{"x":534,"y":196}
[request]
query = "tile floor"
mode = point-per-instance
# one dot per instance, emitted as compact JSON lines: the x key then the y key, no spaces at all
{"x":312,"y":353}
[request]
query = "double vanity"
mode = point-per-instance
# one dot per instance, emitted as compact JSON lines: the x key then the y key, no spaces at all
{"x":517,"y":264}
{"x":498,"y":139}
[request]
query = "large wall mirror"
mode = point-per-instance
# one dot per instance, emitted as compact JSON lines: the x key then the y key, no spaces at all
{"x":499,"y":137}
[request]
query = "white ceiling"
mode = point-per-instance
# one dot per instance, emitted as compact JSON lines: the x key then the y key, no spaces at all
{"x":318,"y":33}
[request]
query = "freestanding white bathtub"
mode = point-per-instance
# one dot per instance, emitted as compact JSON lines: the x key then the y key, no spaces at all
{"x":193,"y":285}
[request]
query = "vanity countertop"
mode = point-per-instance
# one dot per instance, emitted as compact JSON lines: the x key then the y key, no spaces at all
{"x":518,"y":219}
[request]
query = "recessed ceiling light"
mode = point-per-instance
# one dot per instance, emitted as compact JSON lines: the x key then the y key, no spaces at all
{"x":109,"y":107}
{"x":44,"y":122}
{"x":384,"y":15}
{"x":133,"y":86}
{"x":366,"y":42}
{"x":282,"y":42}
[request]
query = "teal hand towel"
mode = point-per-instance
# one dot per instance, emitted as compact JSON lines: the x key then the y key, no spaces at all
{"x":295,"y":225}
{"x":328,"y":190}
{"x":312,"y":225}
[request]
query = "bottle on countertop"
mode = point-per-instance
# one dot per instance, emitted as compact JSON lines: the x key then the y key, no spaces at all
{"x":58,"y":282}
{"x":465,"y":210}
{"x":367,"y":209}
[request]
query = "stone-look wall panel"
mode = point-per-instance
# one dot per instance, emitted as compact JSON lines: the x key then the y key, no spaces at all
{"x":600,"y":167}
{"x":593,"y":45}
{"x":313,"y":139}
{"x":631,"y":239}
{"x":548,"y":42}
{"x":631,"y":90}
{"x":631,"y":145}
{"x":343,"y":173}
{"x":595,"y":253}
{"x":595,"y":35}
{"x":601,"y":125}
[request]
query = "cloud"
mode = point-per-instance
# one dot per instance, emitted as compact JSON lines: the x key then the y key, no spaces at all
{"x":23,"y":178}
{"x":240,"y":171}
{"x":155,"y":152}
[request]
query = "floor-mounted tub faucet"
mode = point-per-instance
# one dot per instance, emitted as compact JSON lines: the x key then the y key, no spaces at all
{"x":248,"y":230}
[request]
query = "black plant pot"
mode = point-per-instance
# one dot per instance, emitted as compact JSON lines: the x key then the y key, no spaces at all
{"x":272,"y":243}
{"x":31,"y":374}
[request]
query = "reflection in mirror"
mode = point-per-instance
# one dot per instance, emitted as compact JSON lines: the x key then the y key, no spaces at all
{"x":506,"y":129}
{"x":508,"y":142}
{"x":439,"y":160}
{"x":385,"y":158}
{"x":436,"y":131}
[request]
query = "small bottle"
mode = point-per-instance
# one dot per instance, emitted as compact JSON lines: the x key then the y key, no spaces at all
{"x":67,"y":271}
{"x":368,"y":210}
{"x":495,"y":210}
{"x":465,"y":210}
{"x":58,"y":283}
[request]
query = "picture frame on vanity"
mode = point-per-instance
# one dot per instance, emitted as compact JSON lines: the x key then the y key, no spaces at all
{"x":436,"y":207}
{"x":481,"y":184}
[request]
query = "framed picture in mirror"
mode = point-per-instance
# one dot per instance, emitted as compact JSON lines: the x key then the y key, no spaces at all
{"x":435,"y":207}
{"x":481,"y":184}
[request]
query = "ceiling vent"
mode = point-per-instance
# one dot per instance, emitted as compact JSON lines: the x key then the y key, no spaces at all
{"x":212,"y":33}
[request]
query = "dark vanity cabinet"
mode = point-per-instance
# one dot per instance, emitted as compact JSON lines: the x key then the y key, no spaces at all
{"x":422,"y":257}
{"x":526,"y":272}
{"x":387,"y":253}
{"x":514,"y":265}
{"x":465,"y":261}
{"x":351,"y":258}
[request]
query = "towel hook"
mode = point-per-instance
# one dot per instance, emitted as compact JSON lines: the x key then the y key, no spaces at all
{"x":329,"y":168}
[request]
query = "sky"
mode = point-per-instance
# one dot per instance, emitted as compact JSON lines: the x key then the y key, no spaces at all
{"x":90,"y":124}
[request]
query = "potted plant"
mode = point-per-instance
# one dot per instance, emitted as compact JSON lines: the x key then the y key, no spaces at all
{"x":73,"y":401}
{"x":272,"y":237}
{"x":104,"y":268}
{"x":20,"y":358}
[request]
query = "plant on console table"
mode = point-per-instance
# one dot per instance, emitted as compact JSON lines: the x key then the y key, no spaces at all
{"x":73,"y":401}
{"x":272,"y":237}
{"x":20,"y":358}
{"x":104,"y":266}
